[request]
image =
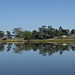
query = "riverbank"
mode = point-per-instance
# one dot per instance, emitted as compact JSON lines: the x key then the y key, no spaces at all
{"x":40,"y":41}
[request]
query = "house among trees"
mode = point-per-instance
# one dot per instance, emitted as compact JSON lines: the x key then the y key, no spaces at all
{"x":11,"y":36}
{"x":45,"y":36}
{"x":64,"y":36}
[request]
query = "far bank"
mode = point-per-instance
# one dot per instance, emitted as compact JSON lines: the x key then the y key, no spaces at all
{"x":39,"y":41}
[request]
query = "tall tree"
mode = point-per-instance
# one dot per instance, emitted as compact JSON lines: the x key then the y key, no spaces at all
{"x":73,"y":31}
{"x":1,"y":34}
{"x":58,"y":33}
{"x":18,"y":32}
{"x":27,"y":35}
{"x":60,"y":29}
{"x":8,"y":34}
{"x":35,"y":34}
{"x":42,"y":29}
{"x":51,"y":31}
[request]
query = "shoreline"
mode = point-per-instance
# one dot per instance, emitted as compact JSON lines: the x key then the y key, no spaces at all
{"x":40,"y":41}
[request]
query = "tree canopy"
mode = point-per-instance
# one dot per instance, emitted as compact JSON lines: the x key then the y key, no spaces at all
{"x":1,"y":34}
{"x":44,"y":32}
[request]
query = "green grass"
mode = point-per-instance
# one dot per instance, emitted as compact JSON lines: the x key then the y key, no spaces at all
{"x":53,"y":40}
{"x":39,"y":41}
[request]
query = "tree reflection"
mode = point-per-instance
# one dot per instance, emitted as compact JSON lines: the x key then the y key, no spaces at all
{"x":9,"y":47}
{"x":19,"y":48}
{"x":43,"y":48}
{"x":1,"y":46}
{"x":73,"y":47}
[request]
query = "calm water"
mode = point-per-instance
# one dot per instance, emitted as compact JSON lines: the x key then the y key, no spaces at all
{"x":37,"y":59}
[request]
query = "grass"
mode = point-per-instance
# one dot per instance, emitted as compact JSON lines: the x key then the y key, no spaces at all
{"x":54,"y":40}
{"x":39,"y":41}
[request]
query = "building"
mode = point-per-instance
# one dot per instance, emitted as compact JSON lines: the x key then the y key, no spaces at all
{"x":12,"y":36}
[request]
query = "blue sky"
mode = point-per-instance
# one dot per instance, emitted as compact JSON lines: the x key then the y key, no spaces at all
{"x":31,"y":14}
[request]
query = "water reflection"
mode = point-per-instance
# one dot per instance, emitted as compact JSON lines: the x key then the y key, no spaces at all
{"x":9,"y":47}
{"x":1,"y":46}
{"x":42,"y":48}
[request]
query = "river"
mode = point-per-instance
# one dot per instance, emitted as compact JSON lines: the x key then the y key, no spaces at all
{"x":37,"y":59}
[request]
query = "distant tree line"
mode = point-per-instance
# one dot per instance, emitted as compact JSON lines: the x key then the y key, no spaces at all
{"x":43,"y":32}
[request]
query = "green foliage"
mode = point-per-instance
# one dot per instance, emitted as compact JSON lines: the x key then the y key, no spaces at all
{"x":22,"y":34}
{"x":60,"y":29}
{"x":73,"y":31}
{"x":1,"y":34}
{"x":8,"y":34}
{"x":58,"y":33}
{"x":18,"y":32}
{"x":43,"y":33}
{"x":27,"y":35}
{"x":35,"y":34}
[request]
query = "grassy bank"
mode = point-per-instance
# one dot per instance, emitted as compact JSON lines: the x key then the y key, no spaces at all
{"x":40,"y":41}
{"x":54,"y":40}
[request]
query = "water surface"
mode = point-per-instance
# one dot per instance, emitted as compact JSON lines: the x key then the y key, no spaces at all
{"x":37,"y":59}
